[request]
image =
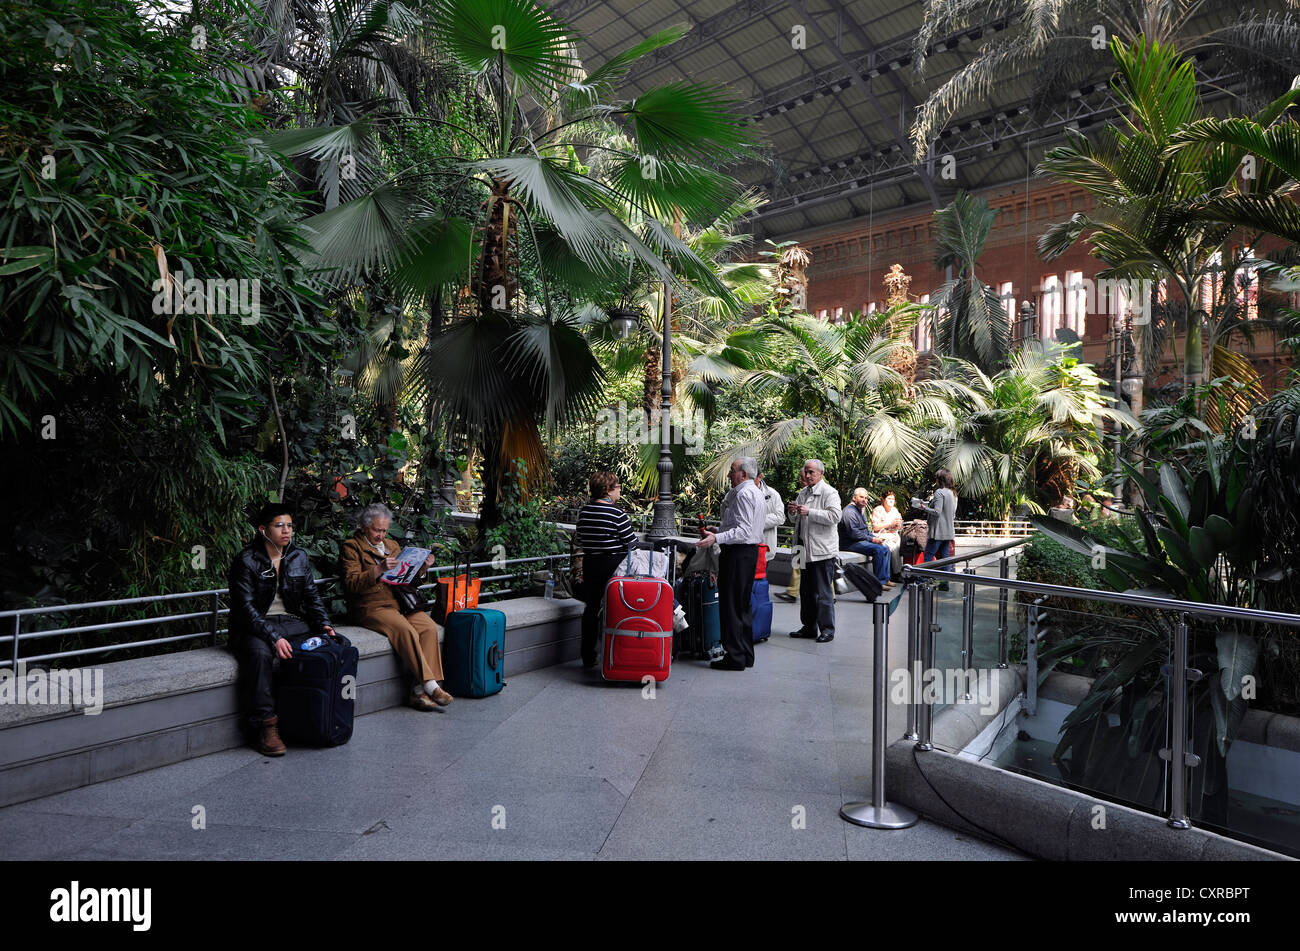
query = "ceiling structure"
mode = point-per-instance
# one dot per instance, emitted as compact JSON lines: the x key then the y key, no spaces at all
{"x":835,"y":115}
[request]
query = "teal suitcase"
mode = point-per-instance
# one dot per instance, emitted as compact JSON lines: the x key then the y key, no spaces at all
{"x":474,"y":652}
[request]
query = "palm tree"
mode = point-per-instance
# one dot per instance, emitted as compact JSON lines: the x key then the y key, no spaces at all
{"x":1058,"y":41}
{"x":1025,"y":435}
{"x":972,"y":319}
{"x":352,"y":66}
{"x":1150,"y":186}
{"x":839,"y":380}
{"x":507,"y":359}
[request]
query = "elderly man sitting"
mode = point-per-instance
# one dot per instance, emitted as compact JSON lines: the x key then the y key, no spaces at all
{"x":856,"y":535}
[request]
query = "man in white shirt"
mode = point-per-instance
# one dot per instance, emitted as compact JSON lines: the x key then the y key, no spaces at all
{"x":743,"y":523}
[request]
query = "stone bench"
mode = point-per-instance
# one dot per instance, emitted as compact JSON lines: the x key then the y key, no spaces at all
{"x":163,"y":709}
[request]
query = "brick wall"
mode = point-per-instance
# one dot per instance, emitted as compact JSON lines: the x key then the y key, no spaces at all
{"x":849,"y":264}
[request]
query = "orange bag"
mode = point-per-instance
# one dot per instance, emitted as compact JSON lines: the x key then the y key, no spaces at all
{"x":455,"y":594}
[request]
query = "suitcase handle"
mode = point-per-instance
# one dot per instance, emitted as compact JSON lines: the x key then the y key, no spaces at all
{"x":493,"y":655}
{"x":622,"y":598}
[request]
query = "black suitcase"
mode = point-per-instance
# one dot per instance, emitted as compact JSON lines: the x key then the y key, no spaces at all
{"x":317,"y":691}
{"x":864,"y":581}
{"x":703,"y":637}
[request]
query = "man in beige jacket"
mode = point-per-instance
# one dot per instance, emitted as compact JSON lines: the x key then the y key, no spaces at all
{"x":816,"y":512}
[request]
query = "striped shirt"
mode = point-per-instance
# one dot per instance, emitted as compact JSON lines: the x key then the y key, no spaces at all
{"x":604,"y":529}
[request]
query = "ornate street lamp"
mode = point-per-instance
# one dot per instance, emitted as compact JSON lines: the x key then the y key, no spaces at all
{"x":665,"y":517}
{"x":624,"y":320}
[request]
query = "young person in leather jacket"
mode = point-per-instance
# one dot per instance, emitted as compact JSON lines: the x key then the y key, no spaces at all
{"x":273,"y":598}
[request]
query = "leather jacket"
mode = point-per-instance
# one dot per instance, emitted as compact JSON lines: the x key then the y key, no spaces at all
{"x":253,"y":587}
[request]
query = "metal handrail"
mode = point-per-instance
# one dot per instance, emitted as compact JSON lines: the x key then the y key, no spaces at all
{"x":1199,"y":608}
{"x":1179,"y":758}
{"x":16,"y":636}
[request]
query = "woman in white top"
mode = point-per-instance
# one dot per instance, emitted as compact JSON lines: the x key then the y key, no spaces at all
{"x":887,"y":522}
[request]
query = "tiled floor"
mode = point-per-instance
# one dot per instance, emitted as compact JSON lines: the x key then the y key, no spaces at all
{"x":714,"y":765}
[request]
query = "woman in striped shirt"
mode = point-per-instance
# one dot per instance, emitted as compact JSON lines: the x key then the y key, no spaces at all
{"x":604,"y":535}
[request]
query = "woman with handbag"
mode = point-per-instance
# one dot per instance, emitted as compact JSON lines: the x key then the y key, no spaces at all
{"x":375,"y":604}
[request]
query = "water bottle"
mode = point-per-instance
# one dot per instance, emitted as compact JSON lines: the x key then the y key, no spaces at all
{"x":550,"y":586}
{"x":312,"y":643}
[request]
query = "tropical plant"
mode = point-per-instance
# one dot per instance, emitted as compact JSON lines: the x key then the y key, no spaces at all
{"x":839,"y":380}
{"x":1149,"y":185}
{"x":126,"y":152}
{"x":505,"y":361}
{"x":1199,"y":542}
{"x":971,"y":318}
{"x":1022,"y":437}
{"x":1059,"y":45}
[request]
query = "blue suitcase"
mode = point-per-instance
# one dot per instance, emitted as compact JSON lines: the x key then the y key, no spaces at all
{"x":760,"y":605}
{"x":316,"y":691}
{"x":474,"y":652}
{"x":703,"y":636}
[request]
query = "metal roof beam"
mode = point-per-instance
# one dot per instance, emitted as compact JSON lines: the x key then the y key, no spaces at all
{"x":889,"y":58}
{"x":853,"y":174}
{"x":899,"y":134}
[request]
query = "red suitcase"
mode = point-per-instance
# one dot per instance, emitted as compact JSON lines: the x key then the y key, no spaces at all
{"x":760,"y":572}
{"x":638,"y":629}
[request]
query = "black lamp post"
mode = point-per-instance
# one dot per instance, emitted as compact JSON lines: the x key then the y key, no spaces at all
{"x":665,"y":512}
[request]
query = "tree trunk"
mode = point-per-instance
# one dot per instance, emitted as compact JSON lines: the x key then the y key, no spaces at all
{"x":1194,"y":351}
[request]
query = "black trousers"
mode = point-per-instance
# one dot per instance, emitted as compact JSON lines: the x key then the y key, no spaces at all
{"x":596,"y":572}
{"x":736,"y":567}
{"x":817,"y":597}
{"x":257,"y":664}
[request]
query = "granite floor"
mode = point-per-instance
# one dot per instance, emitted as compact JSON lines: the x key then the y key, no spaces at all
{"x":714,"y":765}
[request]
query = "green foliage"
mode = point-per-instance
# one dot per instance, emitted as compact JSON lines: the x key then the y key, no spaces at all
{"x":523,"y":531}
{"x":151,"y":167}
{"x":1200,"y":540}
{"x":840,"y":380}
{"x":1025,"y":435}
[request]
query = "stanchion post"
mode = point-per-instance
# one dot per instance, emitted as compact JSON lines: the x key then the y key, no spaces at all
{"x":927,"y":629}
{"x":1177,"y":755}
{"x":913,"y":654}
{"x":1004,"y":572}
{"x":968,"y":629}
{"x":879,"y":814}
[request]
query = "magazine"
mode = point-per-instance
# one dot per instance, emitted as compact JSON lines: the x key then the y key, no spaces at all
{"x":409,"y":563}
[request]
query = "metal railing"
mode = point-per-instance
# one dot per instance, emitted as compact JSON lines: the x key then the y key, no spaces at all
{"x":921,"y":622}
{"x":1180,"y":759}
{"x":994,"y":528}
{"x":11,"y":642}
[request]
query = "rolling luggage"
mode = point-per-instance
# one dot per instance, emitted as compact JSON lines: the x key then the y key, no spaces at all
{"x":638,"y":623}
{"x":911,"y":548}
{"x":317,"y":691}
{"x":703,"y":637}
{"x":864,"y":581}
{"x":760,"y":606}
{"x":474,"y":652}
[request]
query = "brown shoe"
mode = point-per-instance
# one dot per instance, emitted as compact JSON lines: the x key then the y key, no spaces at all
{"x":422,"y":701}
{"x":268,"y":741}
{"x":441,"y":697}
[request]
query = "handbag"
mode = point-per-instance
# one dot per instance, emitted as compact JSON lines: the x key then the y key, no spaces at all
{"x":409,"y":599}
